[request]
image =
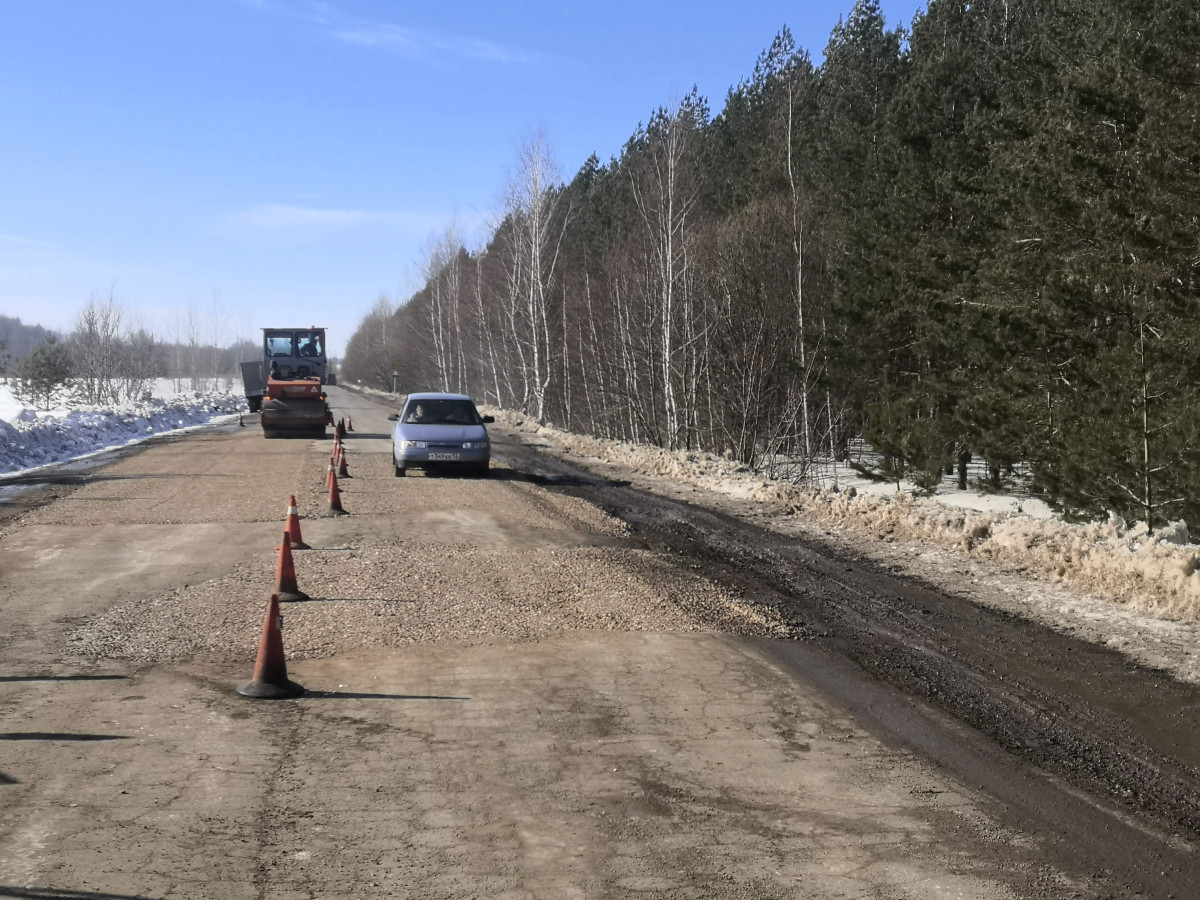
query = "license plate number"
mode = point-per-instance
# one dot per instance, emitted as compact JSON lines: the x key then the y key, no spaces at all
{"x":443,"y":457}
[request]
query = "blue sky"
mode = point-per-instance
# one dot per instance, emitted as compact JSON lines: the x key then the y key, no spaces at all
{"x":279,"y":162}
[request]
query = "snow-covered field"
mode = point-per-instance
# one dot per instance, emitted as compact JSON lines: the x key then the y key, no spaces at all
{"x":31,"y":438}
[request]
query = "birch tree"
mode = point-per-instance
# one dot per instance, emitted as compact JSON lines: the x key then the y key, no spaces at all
{"x":372,"y":352}
{"x":532,"y":203}
{"x":94,"y":345}
{"x":666,"y":195}
{"x":443,"y":271}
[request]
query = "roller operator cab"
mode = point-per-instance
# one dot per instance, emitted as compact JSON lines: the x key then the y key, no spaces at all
{"x":292,"y":354}
{"x":286,"y":384}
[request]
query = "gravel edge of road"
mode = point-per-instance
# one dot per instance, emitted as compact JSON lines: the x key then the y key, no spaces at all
{"x":1149,"y":642}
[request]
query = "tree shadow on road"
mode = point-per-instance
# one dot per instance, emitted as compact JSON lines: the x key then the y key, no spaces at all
{"x":357,"y":695}
{"x":36,"y":893}
{"x":79,"y":479}
{"x":573,"y":480}
{"x":11,"y":678}
{"x":58,"y":736}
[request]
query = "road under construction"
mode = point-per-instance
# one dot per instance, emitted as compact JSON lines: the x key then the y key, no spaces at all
{"x":545,"y":683}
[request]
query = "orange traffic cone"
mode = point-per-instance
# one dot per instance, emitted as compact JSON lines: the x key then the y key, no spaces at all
{"x":293,"y":526}
{"x":285,"y":573}
{"x":343,"y":470}
{"x":270,"y":681}
{"x":349,"y":423}
{"x":335,"y":496}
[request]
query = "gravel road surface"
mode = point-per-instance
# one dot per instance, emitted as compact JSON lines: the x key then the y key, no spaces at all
{"x":547,"y":683}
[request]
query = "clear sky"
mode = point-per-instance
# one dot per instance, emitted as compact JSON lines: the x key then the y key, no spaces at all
{"x":286,"y":162}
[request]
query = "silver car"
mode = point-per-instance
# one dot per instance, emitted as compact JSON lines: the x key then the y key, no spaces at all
{"x":440,"y":431}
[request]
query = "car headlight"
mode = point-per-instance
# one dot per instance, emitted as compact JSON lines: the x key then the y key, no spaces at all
{"x":474,"y":445}
{"x":414,"y":445}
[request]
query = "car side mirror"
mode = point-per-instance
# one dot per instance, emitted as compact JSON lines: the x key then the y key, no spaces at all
{"x":488,"y":420}
{"x":394,"y":417}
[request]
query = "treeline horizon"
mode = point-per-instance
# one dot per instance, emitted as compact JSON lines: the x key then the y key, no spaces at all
{"x":973,"y":239}
{"x":108,"y":357}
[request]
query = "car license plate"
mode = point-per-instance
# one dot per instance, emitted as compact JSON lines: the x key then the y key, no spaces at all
{"x":443,"y":457}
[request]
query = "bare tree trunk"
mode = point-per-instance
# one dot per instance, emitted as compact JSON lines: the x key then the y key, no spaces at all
{"x":513,"y":284}
{"x":486,"y":339}
{"x":458,"y":360}
{"x":798,"y":256}
{"x":566,"y":362}
{"x":437,"y":318}
{"x":95,"y":348}
{"x":665,"y":197}
{"x":533,"y":206}
{"x":442,"y":276}
{"x":598,"y":367}
{"x":629,"y":365}
{"x":218,"y":338}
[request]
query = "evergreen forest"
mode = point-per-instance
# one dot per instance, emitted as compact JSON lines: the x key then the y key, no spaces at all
{"x":975,"y":238}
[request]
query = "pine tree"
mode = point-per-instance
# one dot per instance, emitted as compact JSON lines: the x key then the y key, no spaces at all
{"x":42,"y":371}
{"x":1101,"y":181}
{"x":942,"y":216}
{"x":870,"y":336}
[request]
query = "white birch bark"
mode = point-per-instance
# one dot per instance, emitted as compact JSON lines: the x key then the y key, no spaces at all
{"x":665,"y":199}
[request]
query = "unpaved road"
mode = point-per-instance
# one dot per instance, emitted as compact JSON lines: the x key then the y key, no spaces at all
{"x":544,"y":684}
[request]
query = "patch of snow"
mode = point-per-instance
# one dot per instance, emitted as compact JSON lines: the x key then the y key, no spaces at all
{"x":33,"y":438}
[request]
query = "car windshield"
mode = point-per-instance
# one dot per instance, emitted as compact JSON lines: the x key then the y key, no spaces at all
{"x":441,"y":412}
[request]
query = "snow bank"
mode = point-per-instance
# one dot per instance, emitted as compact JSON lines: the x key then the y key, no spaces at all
{"x":1155,"y":574}
{"x":29,"y":439}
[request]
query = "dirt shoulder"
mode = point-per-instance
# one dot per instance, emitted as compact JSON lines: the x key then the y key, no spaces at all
{"x":1116,"y":620}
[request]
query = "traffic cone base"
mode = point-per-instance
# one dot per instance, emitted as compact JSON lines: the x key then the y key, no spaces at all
{"x":260,"y":690}
{"x":270,"y":681}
